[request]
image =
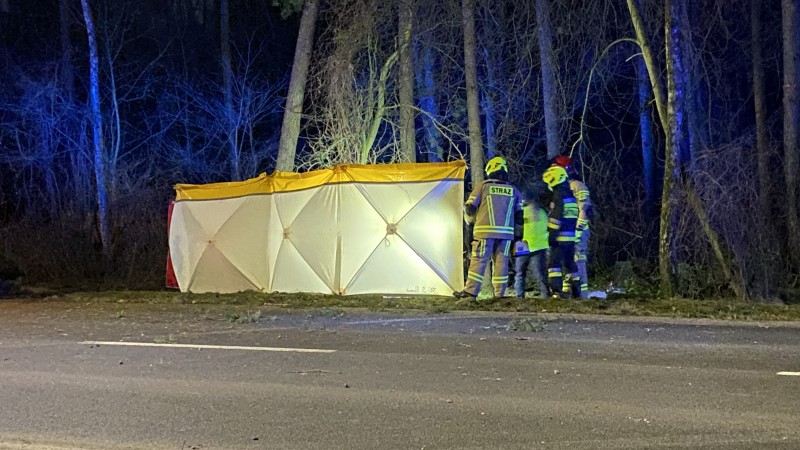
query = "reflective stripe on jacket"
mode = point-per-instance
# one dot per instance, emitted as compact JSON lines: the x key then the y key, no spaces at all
{"x":563,"y":214}
{"x":496,"y":203}
{"x":581,"y":193}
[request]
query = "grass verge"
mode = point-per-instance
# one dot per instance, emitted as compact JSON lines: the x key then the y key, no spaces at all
{"x":723,"y":309}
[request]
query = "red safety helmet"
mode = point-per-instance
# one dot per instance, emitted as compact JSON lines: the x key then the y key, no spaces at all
{"x":565,"y":162}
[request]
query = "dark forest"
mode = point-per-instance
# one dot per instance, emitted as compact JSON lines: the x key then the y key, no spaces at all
{"x":682,"y":116}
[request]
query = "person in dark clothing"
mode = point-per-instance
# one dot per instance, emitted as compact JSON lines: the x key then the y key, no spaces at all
{"x":561,"y":224}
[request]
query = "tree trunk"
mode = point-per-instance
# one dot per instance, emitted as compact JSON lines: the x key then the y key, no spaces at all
{"x":791,"y":117}
{"x":488,"y":105}
{"x":470,"y":67}
{"x":671,"y":127}
{"x":103,"y":216}
{"x":426,"y":86}
{"x":665,"y":225}
{"x":290,"y":131}
{"x":690,"y":78}
{"x":227,"y":88}
{"x":408,"y":148}
{"x":650,"y":63}
{"x":67,"y":77}
{"x":676,"y":83}
{"x":646,"y":130}
{"x":549,"y":85}
{"x":676,"y":138}
{"x":759,"y":100}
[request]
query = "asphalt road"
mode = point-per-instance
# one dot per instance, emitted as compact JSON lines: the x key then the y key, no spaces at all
{"x":358,"y":380}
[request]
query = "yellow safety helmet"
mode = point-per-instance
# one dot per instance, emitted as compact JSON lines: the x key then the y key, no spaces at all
{"x":495,"y":164}
{"x":554,"y":175}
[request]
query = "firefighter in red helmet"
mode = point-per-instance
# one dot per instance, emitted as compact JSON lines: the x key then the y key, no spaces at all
{"x":582,"y":232}
{"x":561,"y":268}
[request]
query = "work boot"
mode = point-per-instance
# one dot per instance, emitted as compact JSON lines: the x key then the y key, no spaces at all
{"x":464,"y":297}
{"x":576,"y":291}
{"x":463,"y":294}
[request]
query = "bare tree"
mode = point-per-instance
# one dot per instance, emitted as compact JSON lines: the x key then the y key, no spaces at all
{"x":549,"y":86}
{"x":290,"y":130}
{"x":665,"y":228}
{"x":671,"y":112}
{"x":426,"y":89}
{"x":406,"y":82}
{"x":645,"y":93}
{"x":759,"y":100}
{"x":791,"y":118}
{"x":196,"y":124}
{"x":351,"y":89}
{"x":473,"y":110}
{"x":103,"y":213}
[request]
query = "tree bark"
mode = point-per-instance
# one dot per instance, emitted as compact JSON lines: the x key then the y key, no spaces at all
{"x":290,"y":130}
{"x":471,"y":73}
{"x":691,"y":80}
{"x":426,"y":86}
{"x":646,"y":130}
{"x":674,"y":141}
{"x":408,"y":148}
{"x":676,"y":82}
{"x":488,"y":105}
{"x":759,"y":100}
{"x":103,"y":215}
{"x":650,"y":63}
{"x":791,"y":117}
{"x":665,"y":222}
{"x":549,"y":85}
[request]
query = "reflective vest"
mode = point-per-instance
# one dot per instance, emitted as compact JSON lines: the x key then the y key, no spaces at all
{"x":534,"y":228}
{"x":564,"y":213}
{"x":496,"y":203}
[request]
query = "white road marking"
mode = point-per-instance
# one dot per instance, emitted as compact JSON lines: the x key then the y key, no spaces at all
{"x":215,"y":347}
{"x":789,"y":374}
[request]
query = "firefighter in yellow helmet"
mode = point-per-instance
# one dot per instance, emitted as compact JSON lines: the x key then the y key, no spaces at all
{"x":495,"y":209}
{"x":561,"y":224}
{"x":585,"y":213}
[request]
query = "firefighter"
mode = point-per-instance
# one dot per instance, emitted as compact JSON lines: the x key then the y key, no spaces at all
{"x":585,"y":213}
{"x":495,"y":209}
{"x":561,"y":225}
